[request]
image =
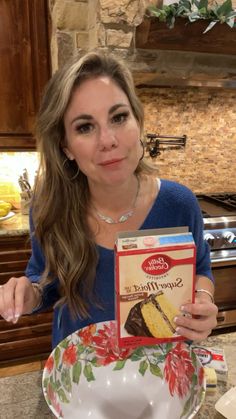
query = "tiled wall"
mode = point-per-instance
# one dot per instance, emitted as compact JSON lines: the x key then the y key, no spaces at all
{"x":208,"y":118}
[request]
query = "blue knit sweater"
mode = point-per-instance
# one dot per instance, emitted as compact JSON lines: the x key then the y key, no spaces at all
{"x":175,"y":206}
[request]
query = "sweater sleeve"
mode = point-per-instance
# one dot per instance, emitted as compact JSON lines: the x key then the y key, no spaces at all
{"x":34,"y":270}
{"x":203,"y":262}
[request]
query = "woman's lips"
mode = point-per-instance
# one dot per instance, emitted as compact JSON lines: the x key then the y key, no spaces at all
{"x":109,"y":163}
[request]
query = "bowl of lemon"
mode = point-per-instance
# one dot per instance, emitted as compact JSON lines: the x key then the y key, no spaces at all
{"x":5,"y":210}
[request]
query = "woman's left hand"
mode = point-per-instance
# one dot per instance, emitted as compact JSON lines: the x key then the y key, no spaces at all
{"x":199,"y":319}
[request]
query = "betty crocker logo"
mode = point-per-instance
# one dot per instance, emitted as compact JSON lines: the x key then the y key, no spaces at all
{"x":157,"y":265}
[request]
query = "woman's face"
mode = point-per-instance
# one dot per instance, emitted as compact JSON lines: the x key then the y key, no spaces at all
{"x":102,"y":134}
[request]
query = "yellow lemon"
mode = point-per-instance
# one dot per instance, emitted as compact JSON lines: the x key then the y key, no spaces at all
{"x":5,"y":205}
{"x":3,"y":212}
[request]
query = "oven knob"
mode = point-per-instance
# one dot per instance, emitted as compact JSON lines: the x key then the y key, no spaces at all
{"x":210,"y":239}
{"x":229,"y":236}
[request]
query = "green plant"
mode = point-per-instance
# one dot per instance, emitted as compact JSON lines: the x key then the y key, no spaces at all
{"x":194,"y":10}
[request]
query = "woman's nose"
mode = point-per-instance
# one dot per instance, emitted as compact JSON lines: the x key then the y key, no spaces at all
{"x":107,"y":138}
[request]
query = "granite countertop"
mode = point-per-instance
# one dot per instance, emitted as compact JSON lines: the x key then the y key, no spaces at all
{"x":21,"y":395}
{"x":18,"y":225}
{"x":227,"y":342}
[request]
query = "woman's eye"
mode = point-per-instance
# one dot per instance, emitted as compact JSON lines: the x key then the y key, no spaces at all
{"x":120,"y":117}
{"x":84,"y":128}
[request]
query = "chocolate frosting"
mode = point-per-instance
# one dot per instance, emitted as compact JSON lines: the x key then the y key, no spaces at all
{"x":135,"y":324}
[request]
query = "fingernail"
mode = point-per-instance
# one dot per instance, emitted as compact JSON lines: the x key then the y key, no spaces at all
{"x":183,"y":308}
{"x":177,"y":329}
{"x":9,"y":319}
{"x":9,"y":315}
{"x":16,"y":318}
{"x":176,"y":319}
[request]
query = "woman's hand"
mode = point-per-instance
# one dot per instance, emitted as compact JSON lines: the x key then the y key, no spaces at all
{"x":199,"y":319}
{"x":17,"y":297}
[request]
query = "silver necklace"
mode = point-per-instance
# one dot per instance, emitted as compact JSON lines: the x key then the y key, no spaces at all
{"x":124,"y":217}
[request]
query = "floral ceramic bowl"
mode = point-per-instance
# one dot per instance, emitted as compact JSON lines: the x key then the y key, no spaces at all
{"x":88,"y":376}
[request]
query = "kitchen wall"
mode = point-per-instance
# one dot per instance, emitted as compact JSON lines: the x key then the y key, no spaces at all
{"x":206,"y":116}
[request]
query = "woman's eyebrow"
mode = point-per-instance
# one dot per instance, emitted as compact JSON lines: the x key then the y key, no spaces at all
{"x":82,"y":116}
{"x":117,"y":106}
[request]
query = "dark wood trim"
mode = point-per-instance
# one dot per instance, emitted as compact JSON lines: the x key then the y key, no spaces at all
{"x":17,"y":143}
{"x":186,"y":36}
{"x":13,"y":256}
{"x":39,"y":40}
{"x":18,"y":242}
{"x":27,"y":321}
{"x":38,"y":345}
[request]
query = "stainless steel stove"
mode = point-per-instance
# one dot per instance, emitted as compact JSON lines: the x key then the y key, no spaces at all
{"x":219,"y":216}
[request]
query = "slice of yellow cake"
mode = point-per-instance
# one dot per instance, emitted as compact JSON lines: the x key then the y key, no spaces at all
{"x":153,"y":317}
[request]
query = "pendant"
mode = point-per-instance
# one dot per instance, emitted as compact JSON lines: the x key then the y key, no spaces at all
{"x":107,"y":220}
{"x":125,"y":217}
{"x":110,"y":220}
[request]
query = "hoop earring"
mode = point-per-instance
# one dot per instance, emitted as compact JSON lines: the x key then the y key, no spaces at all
{"x":67,"y":161}
{"x":75,"y":176}
{"x":142,"y":145}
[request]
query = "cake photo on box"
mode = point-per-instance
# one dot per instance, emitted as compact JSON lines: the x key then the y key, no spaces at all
{"x":152,"y":317}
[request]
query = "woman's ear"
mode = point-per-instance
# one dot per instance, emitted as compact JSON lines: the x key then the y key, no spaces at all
{"x":68,"y":154}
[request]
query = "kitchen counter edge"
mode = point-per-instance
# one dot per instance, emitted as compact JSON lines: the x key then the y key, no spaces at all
{"x":18,"y":225}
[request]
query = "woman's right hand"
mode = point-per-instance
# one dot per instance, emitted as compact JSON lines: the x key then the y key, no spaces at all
{"x":17,"y":297}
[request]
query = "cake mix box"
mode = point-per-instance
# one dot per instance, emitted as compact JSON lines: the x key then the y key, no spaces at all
{"x":154,"y":274}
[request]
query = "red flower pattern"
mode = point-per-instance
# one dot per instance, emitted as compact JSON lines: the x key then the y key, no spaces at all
{"x":201,"y":375}
{"x":86,"y":334}
{"x":178,"y":370}
{"x":53,"y":400}
{"x":49,"y":364}
{"x":105,"y":344}
{"x":69,"y":356}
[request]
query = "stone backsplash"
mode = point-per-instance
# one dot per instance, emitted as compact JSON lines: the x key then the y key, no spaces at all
{"x":206,"y":116}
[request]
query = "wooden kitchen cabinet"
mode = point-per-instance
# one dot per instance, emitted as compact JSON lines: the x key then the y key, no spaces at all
{"x":24,"y":69}
{"x":30,"y":338}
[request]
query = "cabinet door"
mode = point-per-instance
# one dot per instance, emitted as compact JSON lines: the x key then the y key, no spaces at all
{"x":24,"y":69}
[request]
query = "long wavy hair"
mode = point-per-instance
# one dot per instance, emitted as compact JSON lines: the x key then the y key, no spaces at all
{"x":61,"y":197}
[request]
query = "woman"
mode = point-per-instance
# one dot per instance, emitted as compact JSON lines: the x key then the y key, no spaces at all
{"x":93,"y":183}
